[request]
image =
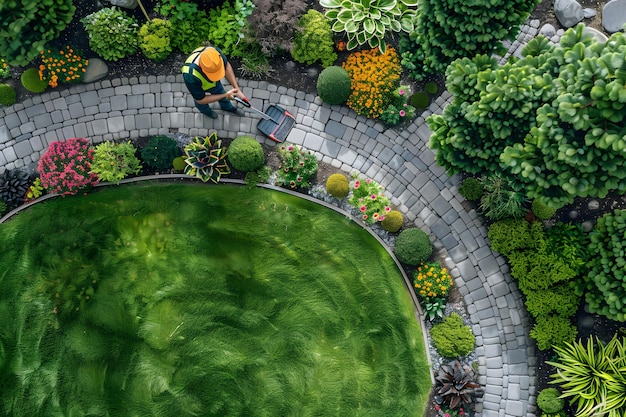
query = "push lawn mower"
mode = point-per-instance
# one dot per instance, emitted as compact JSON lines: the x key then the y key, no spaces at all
{"x":276,"y":123}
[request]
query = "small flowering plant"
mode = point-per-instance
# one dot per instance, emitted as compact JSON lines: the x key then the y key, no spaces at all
{"x":63,"y":66}
{"x":65,"y":168}
{"x":297,"y":166}
{"x":431,"y":281}
{"x":5,"y":70}
{"x":368,"y":197}
{"x":35,"y":191}
{"x":399,"y":108}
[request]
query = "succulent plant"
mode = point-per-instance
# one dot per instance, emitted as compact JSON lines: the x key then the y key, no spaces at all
{"x":14,"y":184}
{"x":206,"y":159}
{"x":456,"y":386}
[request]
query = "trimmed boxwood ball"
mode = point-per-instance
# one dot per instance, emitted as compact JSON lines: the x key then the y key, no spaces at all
{"x":337,"y":185}
{"x":7,"y":95}
{"x":431,"y":88}
{"x":393,"y":221}
{"x":452,"y":338}
{"x":549,"y":402}
{"x":419,"y":100}
{"x":413,"y":246}
{"x":31,"y":81}
{"x":334,"y":85}
{"x":246,"y":154}
{"x":542,"y":211}
{"x":471,"y":188}
{"x":159,"y":152}
{"x":179,"y":163}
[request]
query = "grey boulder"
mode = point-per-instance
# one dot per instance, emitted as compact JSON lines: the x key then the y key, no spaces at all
{"x":614,"y":15}
{"x":568,"y":12}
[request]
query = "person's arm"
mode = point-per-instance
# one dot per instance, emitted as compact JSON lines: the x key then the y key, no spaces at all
{"x":232,"y":80}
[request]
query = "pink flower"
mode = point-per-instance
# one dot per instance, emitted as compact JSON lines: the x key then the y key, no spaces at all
{"x":387,"y":209}
{"x":402,"y":113}
{"x":367,"y":181}
{"x":357,"y":184}
{"x":290,"y":148}
{"x":401,"y":92}
{"x":381,"y":218}
{"x":376,"y":216}
{"x":365,"y":217}
{"x":363,"y":209}
{"x":373,"y":196}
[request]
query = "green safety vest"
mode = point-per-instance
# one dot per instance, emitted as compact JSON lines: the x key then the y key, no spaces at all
{"x":187,"y":69}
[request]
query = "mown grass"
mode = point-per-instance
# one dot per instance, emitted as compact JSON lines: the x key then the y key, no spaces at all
{"x":186,"y":300}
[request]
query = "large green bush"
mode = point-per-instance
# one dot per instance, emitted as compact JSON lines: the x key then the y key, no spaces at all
{"x":159,"y":152}
{"x":412,"y":246}
{"x":112,"y":33}
{"x":27,"y":26}
{"x":452,"y":338}
{"x":189,"y":34}
{"x":227,"y":25}
{"x":154,"y":39}
{"x":7,"y":95}
{"x":246,"y":154}
{"x":334,"y":85}
{"x":605,"y":289}
{"x":115,"y":161}
{"x":314,"y":42}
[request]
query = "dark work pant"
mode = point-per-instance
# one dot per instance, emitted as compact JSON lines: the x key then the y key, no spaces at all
{"x":225,"y":103}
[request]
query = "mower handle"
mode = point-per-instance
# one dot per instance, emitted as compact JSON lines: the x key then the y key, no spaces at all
{"x":243,"y":101}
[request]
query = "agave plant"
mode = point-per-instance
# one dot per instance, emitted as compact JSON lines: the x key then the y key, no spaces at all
{"x":13,"y":187}
{"x":456,"y":385}
{"x":206,"y":159}
{"x":368,"y":21}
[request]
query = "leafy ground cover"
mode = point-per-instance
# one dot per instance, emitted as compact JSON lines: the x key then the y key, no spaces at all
{"x":216,"y":304}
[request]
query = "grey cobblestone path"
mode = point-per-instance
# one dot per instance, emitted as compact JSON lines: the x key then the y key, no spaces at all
{"x":399,"y":160}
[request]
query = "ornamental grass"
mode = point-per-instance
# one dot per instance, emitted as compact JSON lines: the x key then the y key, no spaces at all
{"x":65,"y":66}
{"x":374,"y":77}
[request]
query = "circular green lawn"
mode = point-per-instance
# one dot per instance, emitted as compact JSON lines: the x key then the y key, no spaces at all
{"x":186,"y":300}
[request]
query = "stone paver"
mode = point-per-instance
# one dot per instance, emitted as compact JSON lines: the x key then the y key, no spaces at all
{"x":402,"y":163}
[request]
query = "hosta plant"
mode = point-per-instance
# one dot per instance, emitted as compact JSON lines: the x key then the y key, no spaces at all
{"x":113,"y":162}
{"x":13,"y":187}
{"x":206,"y":159}
{"x":369,"y":21}
{"x":456,"y":385}
{"x":65,"y":168}
{"x":297,"y":166}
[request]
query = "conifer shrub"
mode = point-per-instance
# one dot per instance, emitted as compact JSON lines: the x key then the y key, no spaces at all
{"x":512,"y":235}
{"x":560,"y":300}
{"x":7,"y":95}
{"x":31,"y":81}
{"x":471,"y":189}
{"x":314,"y":42}
{"x":159,"y":152}
{"x":393,"y":221}
{"x":541,"y":210}
{"x":338,"y":185}
{"x":452,"y":338}
{"x":552,"y":331}
{"x":154,"y":39}
{"x":549,"y":402}
{"x":246,"y":154}
{"x":334,"y":85}
{"x":412,"y":246}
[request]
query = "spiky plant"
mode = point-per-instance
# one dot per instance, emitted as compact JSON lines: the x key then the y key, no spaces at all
{"x":206,"y":159}
{"x":456,"y":385}
{"x":13,"y":187}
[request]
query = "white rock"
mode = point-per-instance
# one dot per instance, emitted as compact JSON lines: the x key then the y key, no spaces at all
{"x":96,"y":70}
{"x":568,"y":12}
{"x":589,"y":13}
{"x":614,"y":15}
{"x":600,"y":37}
{"x":547,"y":30}
{"x":127,"y":4}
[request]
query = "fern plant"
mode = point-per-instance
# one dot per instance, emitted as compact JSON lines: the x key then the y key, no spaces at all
{"x":206,"y":159}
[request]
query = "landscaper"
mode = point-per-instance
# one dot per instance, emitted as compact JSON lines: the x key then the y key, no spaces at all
{"x":203,"y":72}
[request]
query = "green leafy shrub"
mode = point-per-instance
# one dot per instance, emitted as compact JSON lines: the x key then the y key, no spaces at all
{"x":13,"y":187}
{"x":189,"y":34}
{"x":368,"y":22}
{"x":5,"y":69}
{"x":420,"y":100}
{"x":592,"y":376}
{"x":338,"y":185}
{"x":283,"y":14}
{"x":297,"y":166}
{"x":452,"y":338}
{"x":399,"y":109}
{"x":471,"y":189}
{"x":393,"y":221}
{"x":28,"y":25}
{"x":246,"y":154}
{"x":228,"y":24}
{"x":112,"y":33}
{"x":177,"y":9}
{"x":31,"y":81}
{"x":500,"y":200}
{"x":570,"y":243}
{"x":314,"y":42}
{"x":559,"y":300}
{"x":551,"y":331}
{"x":549,"y":402}
{"x":159,"y":152}
{"x":334,"y":85}
{"x":206,"y":159}
{"x":541,"y":210}
{"x":605,"y":281}
{"x":35,"y":190}
{"x":369,"y":198}
{"x":509,"y":236}
{"x":179,"y":163}
{"x":113,"y":162}
{"x":7,"y":95}
{"x":412,"y":246}
{"x":154,"y":39}
{"x":260,"y":176}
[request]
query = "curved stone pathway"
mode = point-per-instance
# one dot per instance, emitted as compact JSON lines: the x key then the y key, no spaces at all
{"x":399,"y":160}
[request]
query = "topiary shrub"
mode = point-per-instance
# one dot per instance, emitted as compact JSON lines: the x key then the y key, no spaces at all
{"x":413,"y":246}
{"x":393,"y":221}
{"x":179,"y":163}
{"x":31,"y":81}
{"x":154,"y":39}
{"x":431,"y":88}
{"x":334,"y":85}
{"x":452,"y":338}
{"x":314,"y":42}
{"x":549,"y":402}
{"x":7,"y":95}
{"x":338,"y":185}
{"x":112,"y":33}
{"x":159,"y":152}
{"x":246,"y":154}
{"x":419,"y":100}
{"x":471,"y":189}
{"x":541,"y":210}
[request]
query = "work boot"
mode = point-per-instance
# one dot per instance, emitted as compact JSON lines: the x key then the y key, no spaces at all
{"x":212,"y":115}
{"x":236,"y":112}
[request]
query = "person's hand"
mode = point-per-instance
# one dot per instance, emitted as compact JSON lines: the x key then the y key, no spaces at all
{"x":230,"y":94}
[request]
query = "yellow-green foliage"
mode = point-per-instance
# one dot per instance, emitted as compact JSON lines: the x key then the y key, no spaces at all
{"x":452,"y":338}
{"x":154,"y":39}
{"x":315,"y":40}
{"x":31,"y":81}
{"x":7,"y":95}
{"x":337,"y":185}
{"x":393,"y":221}
{"x":179,"y":163}
{"x":541,"y":210}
